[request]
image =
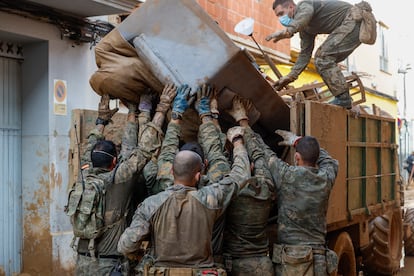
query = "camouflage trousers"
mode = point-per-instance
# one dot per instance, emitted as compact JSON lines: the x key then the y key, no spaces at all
{"x":319,"y":266}
{"x":86,"y":266}
{"x":261,"y":265}
{"x":337,"y":47}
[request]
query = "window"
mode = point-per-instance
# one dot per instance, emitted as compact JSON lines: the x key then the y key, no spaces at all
{"x":382,"y":35}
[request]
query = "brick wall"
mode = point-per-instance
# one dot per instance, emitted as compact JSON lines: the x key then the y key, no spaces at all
{"x":228,"y":13}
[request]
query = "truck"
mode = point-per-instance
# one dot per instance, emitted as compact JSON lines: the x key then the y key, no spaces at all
{"x":176,"y":41}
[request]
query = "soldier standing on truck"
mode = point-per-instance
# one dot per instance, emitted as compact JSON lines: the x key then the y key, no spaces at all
{"x":245,"y":242}
{"x":339,"y":19}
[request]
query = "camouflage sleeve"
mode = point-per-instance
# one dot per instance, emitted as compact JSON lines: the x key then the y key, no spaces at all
{"x":209,"y":138}
{"x":168,"y":151}
{"x":302,"y":18}
{"x":143,"y":119}
{"x":219,"y":195}
{"x":328,"y":165}
{"x":148,"y":145}
{"x":93,"y":137}
{"x":150,"y":174}
{"x":256,"y":152}
{"x":275,"y":165}
{"x":140,"y":227}
{"x":129,"y":140}
{"x":307,"y":43}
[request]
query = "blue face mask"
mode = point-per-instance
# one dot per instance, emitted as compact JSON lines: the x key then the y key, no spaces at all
{"x":285,"y":20}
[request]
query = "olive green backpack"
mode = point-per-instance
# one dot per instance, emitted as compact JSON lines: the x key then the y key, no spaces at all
{"x":86,"y":209}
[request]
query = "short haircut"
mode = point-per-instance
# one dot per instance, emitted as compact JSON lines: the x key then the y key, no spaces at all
{"x":195,"y":147}
{"x":186,"y":165}
{"x":283,"y":3}
{"x":308,"y":148}
{"x":103,"y":153}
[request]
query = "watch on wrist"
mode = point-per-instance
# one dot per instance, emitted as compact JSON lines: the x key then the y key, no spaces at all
{"x":214,"y":115}
{"x":176,"y":116}
{"x":100,"y":121}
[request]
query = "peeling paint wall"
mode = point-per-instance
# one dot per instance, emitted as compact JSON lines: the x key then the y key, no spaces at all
{"x":47,"y":232}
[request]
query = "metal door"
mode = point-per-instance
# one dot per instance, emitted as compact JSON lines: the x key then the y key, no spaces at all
{"x":10,"y":166}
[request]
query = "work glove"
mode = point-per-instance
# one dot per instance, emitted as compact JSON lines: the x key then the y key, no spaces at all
{"x":214,"y":103}
{"x":238,"y":110}
{"x":104,"y":113}
{"x":182,"y":100}
{"x":283,"y":82}
{"x":289,"y":138}
{"x":145,"y":102}
{"x":202,"y":104}
{"x":166,"y":98}
{"x":276,"y":36}
{"x":235,"y":132}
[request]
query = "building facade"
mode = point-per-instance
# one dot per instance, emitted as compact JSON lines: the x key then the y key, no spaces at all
{"x":44,"y":74}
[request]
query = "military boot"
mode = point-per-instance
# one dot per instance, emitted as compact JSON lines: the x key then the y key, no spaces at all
{"x":343,"y":100}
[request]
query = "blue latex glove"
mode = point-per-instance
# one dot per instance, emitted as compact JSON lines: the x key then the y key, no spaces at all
{"x":182,"y":100}
{"x":202,"y":104}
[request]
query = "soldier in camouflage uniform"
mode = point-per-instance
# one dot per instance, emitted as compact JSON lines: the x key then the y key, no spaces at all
{"x":121,"y":175}
{"x":211,"y":142}
{"x":245,"y":246}
{"x":302,"y":199}
{"x":313,"y":17}
{"x":180,"y":219}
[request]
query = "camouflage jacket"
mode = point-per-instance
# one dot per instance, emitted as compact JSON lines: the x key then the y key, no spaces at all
{"x":312,"y":18}
{"x":180,"y":219}
{"x":158,"y":173}
{"x":247,"y":216}
{"x":302,"y":197}
{"x":119,"y":194}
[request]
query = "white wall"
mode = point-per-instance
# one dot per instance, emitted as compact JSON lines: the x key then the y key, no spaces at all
{"x":47,"y":231}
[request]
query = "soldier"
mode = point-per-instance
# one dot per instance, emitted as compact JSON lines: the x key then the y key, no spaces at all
{"x":210,"y":148}
{"x":180,"y":219}
{"x":302,"y":201}
{"x":245,"y":242}
{"x":313,"y":17}
{"x":120,"y":176}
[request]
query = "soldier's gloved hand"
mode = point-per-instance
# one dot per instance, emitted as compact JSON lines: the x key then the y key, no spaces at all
{"x":202,"y":104}
{"x":145,"y":102}
{"x":283,"y":81}
{"x":289,"y":138}
{"x":235,"y":133}
{"x":166,"y":98}
{"x":213,"y":103}
{"x":104,"y":113}
{"x":182,"y":100}
{"x":238,"y":110}
{"x":276,"y":36}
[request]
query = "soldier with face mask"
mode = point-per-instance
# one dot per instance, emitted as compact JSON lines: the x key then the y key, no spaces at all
{"x":341,"y":21}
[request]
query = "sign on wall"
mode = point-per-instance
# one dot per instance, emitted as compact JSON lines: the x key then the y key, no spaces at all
{"x":60,"y":97}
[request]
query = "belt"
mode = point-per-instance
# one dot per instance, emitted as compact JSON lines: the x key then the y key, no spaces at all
{"x":87,"y":254}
